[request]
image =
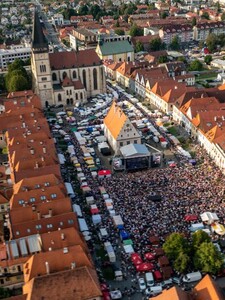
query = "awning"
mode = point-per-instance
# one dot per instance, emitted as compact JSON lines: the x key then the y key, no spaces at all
{"x":144,"y":267}
{"x":94,"y":211}
{"x":128,"y":242}
{"x":190,"y":218}
{"x":124,"y":235}
{"x":104,"y":173}
{"x":149,"y":256}
{"x":136,"y":259}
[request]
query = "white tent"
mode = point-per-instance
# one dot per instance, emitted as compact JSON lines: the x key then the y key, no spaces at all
{"x":209,"y":217}
{"x":77,"y":210}
{"x":69,"y":189}
{"x":128,"y":249}
{"x":61,"y":158}
{"x":96,"y":219}
{"x":83,"y":225}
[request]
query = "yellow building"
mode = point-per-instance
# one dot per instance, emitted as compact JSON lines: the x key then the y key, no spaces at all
{"x":115,"y":50}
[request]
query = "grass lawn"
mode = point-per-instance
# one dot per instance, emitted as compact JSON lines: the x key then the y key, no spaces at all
{"x":211,"y":75}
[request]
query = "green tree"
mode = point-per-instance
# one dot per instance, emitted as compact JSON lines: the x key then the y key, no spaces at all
{"x":95,"y":10}
{"x":117,"y":23}
{"x":17,"y":83}
{"x":68,"y":13}
{"x":205,"y":15}
{"x":223,"y":16}
{"x":211,"y":42}
{"x":195,"y":65}
{"x":119,"y":31}
{"x":163,"y":15}
{"x":182,"y":59}
{"x":174,"y":245}
{"x":193,"y":22}
{"x":208,"y":59}
{"x":139,"y":46}
{"x":83,"y":10}
{"x":198,"y":238}
{"x":136,"y":31}
{"x":208,"y":259}
{"x":156,"y":45}
{"x":162,"y":59}
{"x":175,"y":44}
{"x":181,"y":262}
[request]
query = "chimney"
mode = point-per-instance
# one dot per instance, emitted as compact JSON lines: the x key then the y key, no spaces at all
{"x":33,"y":208}
{"x":36,"y":165}
{"x":73,"y":265}
{"x":62,"y":236}
{"x":23,"y":125}
{"x":39,"y":215}
{"x":47,"y":268}
{"x":42,"y":158}
{"x":44,"y":149}
{"x":50,"y":212}
{"x":32,"y":151}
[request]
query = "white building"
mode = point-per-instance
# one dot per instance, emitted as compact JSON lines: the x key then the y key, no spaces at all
{"x":119,"y":130}
{"x":9,"y":55}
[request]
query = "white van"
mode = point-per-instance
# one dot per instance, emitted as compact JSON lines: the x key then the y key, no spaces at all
{"x":149,"y":279}
{"x":191,"y":277}
{"x":153,"y":290}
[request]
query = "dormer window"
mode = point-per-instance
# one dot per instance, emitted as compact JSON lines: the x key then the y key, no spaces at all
{"x":47,"y":184}
{"x":53,"y":196}
{"x":32,"y":199}
{"x":21,"y":202}
{"x":43,"y":197}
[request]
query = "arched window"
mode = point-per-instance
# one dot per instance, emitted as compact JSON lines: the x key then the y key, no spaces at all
{"x":95,"y":79}
{"x":67,"y":92}
{"x":59,"y":97}
{"x":67,"y":101}
{"x":70,"y":92}
{"x":84,"y":79}
{"x":64,"y":75}
{"x":76,"y":96}
{"x":81,"y":96}
{"x":42,"y":68}
{"x":74,"y":74}
{"x":54,"y":77}
{"x":71,"y":101}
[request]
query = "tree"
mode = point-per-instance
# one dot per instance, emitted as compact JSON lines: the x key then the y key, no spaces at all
{"x":205,"y":15}
{"x":198,"y":238}
{"x":174,"y":245}
{"x":181,"y":263}
{"x":211,"y":42}
{"x":208,"y":59}
{"x":163,"y":15}
{"x":119,"y":31}
{"x":208,"y":259}
{"x":95,"y":10}
{"x":68,"y":13}
{"x":162,"y":59}
{"x":195,"y":65}
{"x":175,"y":44}
{"x":139,"y":46}
{"x":223,"y":16}
{"x":17,"y":78}
{"x":156,"y":45}
{"x":193,"y":22}
{"x":83,"y":10}
{"x":136,"y":31}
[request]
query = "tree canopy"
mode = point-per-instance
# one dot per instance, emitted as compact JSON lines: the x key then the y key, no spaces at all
{"x":156,"y":45}
{"x":197,"y":253}
{"x":208,"y":59}
{"x":195,"y":65}
{"x":136,"y":31}
{"x":175,"y":44}
{"x":139,"y":47}
{"x":17,"y":78}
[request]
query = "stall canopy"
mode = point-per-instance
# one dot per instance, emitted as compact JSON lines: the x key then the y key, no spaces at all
{"x":209,"y":218}
{"x":124,"y":235}
{"x":136,"y":259}
{"x":104,"y":173}
{"x":190,"y":218}
{"x":61,"y":158}
{"x":69,"y":189}
{"x":94,"y":210}
{"x":96,"y":219}
{"x":77,"y":210}
{"x":149,"y":256}
{"x":144,"y":267}
{"x":128,"y":242}
{"x":218,"y":228}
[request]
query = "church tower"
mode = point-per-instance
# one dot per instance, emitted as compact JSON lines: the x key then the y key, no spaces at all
{"x":40,"y":65}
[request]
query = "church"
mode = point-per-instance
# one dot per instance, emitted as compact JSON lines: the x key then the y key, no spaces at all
{"x":67,"y":78}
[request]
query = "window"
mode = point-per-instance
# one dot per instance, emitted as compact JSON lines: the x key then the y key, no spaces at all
{"x":95,"y":79}
{"x":44,"y":78}
{"x":84,"y":79}
{"x":76,"y":96}
{"x":135,"y":141}
{"x":49,"y":225}
{"x":59,"y":97}
{"x":42,"y":68}
{"x":61,"y":223}
{"x":47,"y":183}
{"x":128,"y":142}
{"x":2,"y":207}
{"x":70,"y":92}
{"x":21,"y":201}
{"x":32,"y":199}
{"x":67,"y":92}
{"x":43,"y":197}
{"x":37,"y":186}
{"x":53,"y":196}
{"x":38,"y":226}
{"x":28,"y":230}
{"x":70,"y":222}
{"x":74,"y":74}
{"x":17,"y":233}
{"x":121,"y":144}
{"x":81,"y":96}
{"x":64,"y":75}
{"x":54,"y":77}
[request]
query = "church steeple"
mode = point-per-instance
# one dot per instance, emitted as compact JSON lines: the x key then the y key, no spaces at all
{"x":39,"y":42}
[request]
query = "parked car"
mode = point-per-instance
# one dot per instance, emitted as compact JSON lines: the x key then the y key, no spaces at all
{"x":141,"y":283}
